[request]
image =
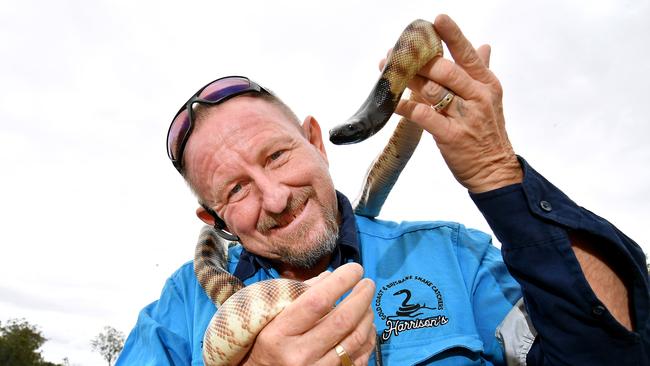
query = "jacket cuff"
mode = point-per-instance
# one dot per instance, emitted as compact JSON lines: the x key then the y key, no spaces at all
{"x":534,"y":212}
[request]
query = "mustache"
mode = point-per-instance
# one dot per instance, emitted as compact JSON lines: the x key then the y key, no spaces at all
{"x":270,"y":220}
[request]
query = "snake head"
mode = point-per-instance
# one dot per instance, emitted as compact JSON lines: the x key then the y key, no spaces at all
{"x":353,"y":131}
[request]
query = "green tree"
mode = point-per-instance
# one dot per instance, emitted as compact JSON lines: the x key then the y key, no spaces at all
{"x":19,"y":344}
{"x":108,"y":343}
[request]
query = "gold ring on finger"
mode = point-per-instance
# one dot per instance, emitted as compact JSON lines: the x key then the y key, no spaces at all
{"x":444,"y":102}
{"x":345,"y":359}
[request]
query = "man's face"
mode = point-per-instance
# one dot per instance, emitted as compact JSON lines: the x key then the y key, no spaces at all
{"x":267,"y":178}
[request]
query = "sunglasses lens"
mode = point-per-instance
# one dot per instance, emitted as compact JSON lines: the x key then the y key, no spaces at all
{"x":224,"y":87}
{"x":214,"y":92}
{"x":177,"y":131}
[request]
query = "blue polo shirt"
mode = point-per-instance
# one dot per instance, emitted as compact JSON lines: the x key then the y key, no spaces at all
{"x":442,"y":289}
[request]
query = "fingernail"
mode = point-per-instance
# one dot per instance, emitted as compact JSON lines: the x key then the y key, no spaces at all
{"x":368,"y":283}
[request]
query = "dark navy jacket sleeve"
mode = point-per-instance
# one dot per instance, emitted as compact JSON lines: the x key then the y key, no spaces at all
{"x":532,"y":220}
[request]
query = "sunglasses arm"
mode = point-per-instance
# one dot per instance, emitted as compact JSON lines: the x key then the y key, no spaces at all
{"x":220,"y":225}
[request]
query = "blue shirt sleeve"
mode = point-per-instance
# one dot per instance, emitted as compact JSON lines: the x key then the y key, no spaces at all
{"x":169,"y":331}
{"x":154,"y":339}
{"x":533,"y":220}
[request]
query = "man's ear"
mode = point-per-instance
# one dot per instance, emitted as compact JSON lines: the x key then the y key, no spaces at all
{"x":205,"y":216}
{"x":313,"y":133}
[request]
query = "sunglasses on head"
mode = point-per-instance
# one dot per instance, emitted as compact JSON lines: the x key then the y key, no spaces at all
{"x":215,"y":92}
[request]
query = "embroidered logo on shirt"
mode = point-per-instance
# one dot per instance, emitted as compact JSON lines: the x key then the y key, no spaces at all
{"x":410,"y":303}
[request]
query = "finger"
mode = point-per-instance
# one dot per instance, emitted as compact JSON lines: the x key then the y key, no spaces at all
{"x":362,"y":341}
{"x":318,"y":300}
{"x":484,"y":53}
{"x":433,"y":97}
{"x":445,"y":72}
{"x":428,"y":91}
{"x":362,"y":359}
{"x":346,"y":316}
{"x":358,"y":346}
{"x":461,"y":49}
{"x":427,"y":82}
{"x":314,"y":280}
{"x":430,"y":94}
{"x":425,"y":116}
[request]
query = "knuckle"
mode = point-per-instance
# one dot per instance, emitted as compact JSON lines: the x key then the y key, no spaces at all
{"x":452,"y":71}
{"x":472,"y":59}
{"x":489,"y":96}
{"x":294,"y":358}
{"x":318,"y":303}
{"x":371,"y":346}
{"x":359,"y":338}
{"x":498,"y":89}
{"x":341,"y":320}
{"x":370,"y":343}
{"x":363,"y":359}
{"x":484,"y":95}
{"x":470,"y":56}
{"x":432,"y":91}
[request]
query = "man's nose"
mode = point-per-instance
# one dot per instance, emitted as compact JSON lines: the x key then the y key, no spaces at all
{"x":275,"y":195}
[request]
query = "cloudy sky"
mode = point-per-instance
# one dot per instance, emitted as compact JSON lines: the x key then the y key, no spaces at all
{"x":94,"y":217}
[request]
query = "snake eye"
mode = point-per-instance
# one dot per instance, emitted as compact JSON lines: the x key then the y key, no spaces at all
{"x":347,"y":133}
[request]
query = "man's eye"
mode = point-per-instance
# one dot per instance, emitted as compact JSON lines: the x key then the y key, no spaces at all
{"x":235,"y":189}
{"x":276,"y":155}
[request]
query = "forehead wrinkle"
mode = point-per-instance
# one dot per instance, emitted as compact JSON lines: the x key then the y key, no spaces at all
{"x":241,"y":155}
{"x":236,"y":133}
{"x":207,"y":151}
{"x":223,"y":173}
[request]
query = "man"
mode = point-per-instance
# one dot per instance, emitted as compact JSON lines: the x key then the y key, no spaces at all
{"x":434,"y":293}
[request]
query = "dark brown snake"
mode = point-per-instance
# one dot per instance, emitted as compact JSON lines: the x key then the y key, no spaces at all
{"x":244,"y":311}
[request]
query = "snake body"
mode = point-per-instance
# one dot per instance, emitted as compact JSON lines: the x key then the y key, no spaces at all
{"x":418,"y":44}
{"x":244,"y":311}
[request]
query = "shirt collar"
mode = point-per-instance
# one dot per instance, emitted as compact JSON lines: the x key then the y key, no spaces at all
{"x":347,"y":245}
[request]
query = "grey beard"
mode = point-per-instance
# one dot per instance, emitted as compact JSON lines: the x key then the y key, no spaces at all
{"x":298,"y":256}
{"x":306,"y":259}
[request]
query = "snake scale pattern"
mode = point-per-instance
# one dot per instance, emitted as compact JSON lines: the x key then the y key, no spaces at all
{"x":244,"y":311}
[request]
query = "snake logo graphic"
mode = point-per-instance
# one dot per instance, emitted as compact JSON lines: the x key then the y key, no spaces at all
{"x":407,"y":309}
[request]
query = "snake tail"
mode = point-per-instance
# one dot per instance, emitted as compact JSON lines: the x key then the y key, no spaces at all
{"x":417,"y":45}
{"x":210,"y":261}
